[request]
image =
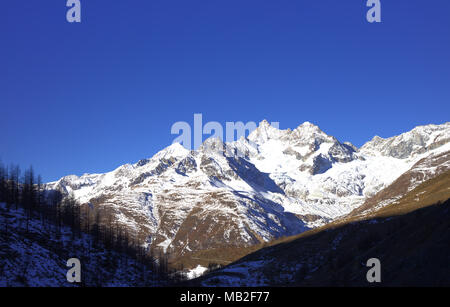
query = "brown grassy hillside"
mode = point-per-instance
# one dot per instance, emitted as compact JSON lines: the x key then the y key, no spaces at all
{"x":410,"y":237}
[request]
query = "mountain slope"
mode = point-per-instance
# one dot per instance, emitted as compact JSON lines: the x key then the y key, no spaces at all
{"x":410,"y":238}
{"x":425,"y":169}
{"x":272,"y":184}
{"x":34,"y":253}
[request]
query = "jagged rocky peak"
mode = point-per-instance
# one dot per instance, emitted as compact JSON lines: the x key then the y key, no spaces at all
{"x":319,"y":150}
{"x":264,"y":123}
{"x":175,"y":150}
{"x":310,"y":132}
{"x":309,"y":125}
{"x":266,"y":131}
{"x":212,"y":145}
{"x":306,"y":133}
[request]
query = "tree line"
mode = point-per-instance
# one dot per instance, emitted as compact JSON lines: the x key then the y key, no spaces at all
{"x":55,"y":210}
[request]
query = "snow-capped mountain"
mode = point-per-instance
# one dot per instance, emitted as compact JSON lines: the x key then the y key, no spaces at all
{"x":273,"y":183}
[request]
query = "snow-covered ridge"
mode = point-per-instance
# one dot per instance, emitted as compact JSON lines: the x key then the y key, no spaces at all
{"x":273,"y":183}
{"x":417,"y":141}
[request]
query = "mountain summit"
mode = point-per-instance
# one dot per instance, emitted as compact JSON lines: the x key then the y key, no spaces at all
{"x":283,"y":182}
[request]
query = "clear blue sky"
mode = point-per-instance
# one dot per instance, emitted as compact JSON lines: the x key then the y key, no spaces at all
{"x":89,"y":97}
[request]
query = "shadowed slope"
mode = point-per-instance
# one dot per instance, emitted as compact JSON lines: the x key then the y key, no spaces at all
{"x":410,"y":237}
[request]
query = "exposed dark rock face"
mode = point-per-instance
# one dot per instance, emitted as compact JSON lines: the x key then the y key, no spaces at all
{"x":341,"y":153}
{"x":186,"y":166}
{"x":320,"y":165}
